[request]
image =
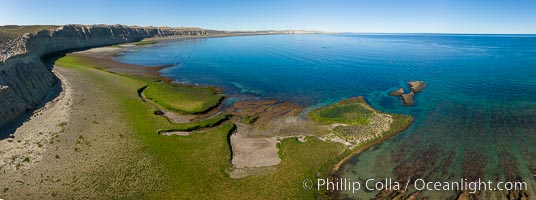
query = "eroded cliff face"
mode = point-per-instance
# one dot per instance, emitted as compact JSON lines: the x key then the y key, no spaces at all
{"x":25,"y":81}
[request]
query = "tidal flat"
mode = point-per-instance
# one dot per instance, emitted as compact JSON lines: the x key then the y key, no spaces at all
{"x":473,"y":119}
{"x":286,"y":125}
{"x":129,"y":118}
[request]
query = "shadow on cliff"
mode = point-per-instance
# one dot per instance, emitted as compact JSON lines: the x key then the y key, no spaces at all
{"x":54,"y":91}
{"x":48,"y":60}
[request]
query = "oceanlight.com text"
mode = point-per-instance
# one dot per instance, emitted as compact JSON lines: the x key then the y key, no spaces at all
{"x":346,"y":184}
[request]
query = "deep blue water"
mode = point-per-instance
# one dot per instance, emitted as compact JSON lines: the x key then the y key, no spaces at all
{"x":476,"y":117}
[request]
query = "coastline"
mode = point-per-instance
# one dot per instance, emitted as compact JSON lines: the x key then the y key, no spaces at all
{"x":108,"y":61}
{"x":108,"y":64}
{"x":24,"y":47}
{"x":366,"y":146}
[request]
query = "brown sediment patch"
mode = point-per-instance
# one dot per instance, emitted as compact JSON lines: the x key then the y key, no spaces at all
{"x":256,"y":156}
{"x":253,"y":152}
{"x":274,"y":118}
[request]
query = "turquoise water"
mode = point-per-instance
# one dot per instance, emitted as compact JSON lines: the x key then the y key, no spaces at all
{"x":475,"y":119}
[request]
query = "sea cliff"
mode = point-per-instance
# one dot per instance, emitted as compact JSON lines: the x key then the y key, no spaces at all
{"x":25,"y":81}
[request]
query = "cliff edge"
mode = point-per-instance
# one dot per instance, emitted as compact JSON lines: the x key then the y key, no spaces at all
{"x":25,"y":81}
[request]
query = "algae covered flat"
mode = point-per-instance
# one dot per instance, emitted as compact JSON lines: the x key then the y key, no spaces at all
{"x":355,"y":121}
{"x":186,"y":99}
{"x":349,"y":111}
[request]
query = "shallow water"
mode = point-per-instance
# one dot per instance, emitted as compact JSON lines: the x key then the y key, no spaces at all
{"x":475,"y":119}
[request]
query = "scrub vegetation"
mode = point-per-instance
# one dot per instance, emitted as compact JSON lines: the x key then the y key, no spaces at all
{"x":12,"y":31}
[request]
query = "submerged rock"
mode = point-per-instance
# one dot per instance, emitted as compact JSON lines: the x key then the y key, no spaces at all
{"x":397,"y":92}
{"x":408,"y":98}
{"x":416,"y":86}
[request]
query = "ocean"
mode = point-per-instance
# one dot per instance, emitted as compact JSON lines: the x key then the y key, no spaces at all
{"x":475,"y":119}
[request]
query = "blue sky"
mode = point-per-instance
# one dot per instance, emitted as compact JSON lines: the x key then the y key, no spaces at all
{"x":398,"y":16}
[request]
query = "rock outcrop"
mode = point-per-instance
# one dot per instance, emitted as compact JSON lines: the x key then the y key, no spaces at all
{"x":397,"y":92}
{"x":408,"y":98}
{"x":416,"y":86}
{"x":25,"y":80}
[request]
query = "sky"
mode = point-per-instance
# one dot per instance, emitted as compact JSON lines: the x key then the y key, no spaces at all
{"x":378,"y":16}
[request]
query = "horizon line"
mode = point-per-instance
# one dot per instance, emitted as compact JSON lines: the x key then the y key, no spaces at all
{"x":306,"y":30}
